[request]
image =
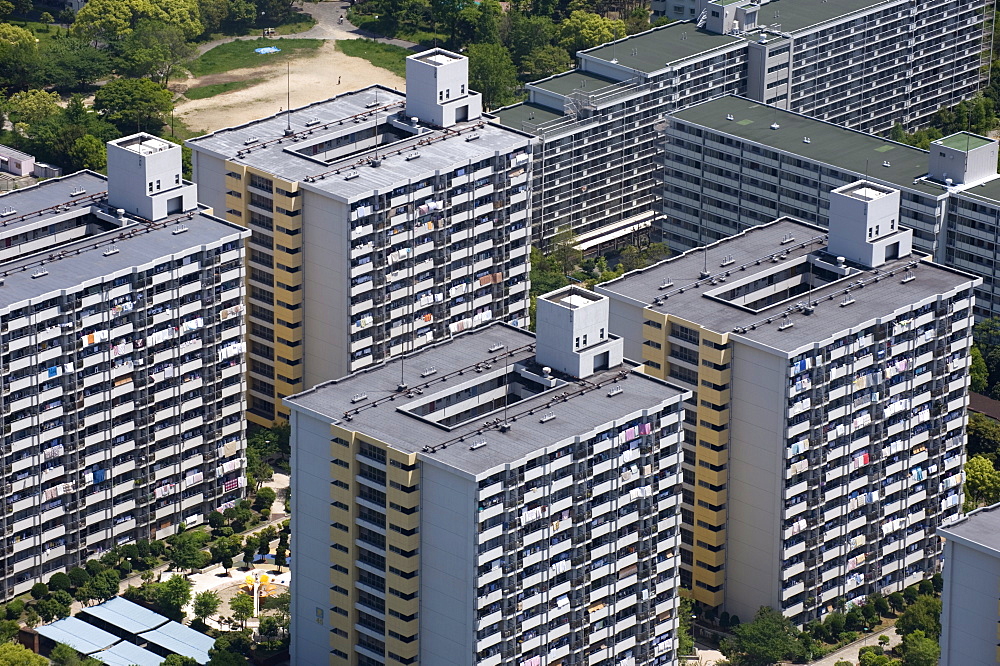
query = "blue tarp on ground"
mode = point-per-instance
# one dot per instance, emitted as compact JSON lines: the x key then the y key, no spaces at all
{"x":267,"y":49}
{"x":82,"y":637}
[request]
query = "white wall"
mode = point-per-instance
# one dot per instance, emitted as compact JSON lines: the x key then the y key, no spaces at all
{"x":327,"y":284}
{"x":969,"y":606}
{"x":756,"y":481}
{"x":447,"y":567}
{"x":310,"y":553}
{"x":209,"y":172}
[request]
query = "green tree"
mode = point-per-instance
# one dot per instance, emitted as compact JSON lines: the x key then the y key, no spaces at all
{"x":979,"y":374}
{"x":31,"y":619}
{"x":924,"y":615}
{"x":134,"y":104}
{"x":46,"y":18}
{"x":982,"y":481}
{"x":32,"y":107}
{"x":206,"y":604}
{"x":492,"y":73}
{"x":835,"y":624}
{"x":898,"y":133}
{"x":446,"y":14}
{"x":524,"y":33}
{"x":39,"y":591}
{"x":984,"y":435}
{"x":910,"y":594}
{"x":768,"y":639}
{"x":19,"y":57}
{"x":64,"y":655}
{"x":171,"y":596}
{"x":78,"y":577}
{"x":153,"y":50}
{"x":178,"y":660}
{"x":15,"y":654}
{"x":896,"y":601}
{"x":87,"y":153}
{"x":545,"y":61}
{"x":213,"y":13}
{"x":490,"y":15}
{"x":879,"y":603}
{"x":185,"y":551}
{"x":241,"y":606}
{"x":59,"y":581}
{"x":637,"y":21}
{"x":249,"y":550}
{"x":919,"y":649}
{"x":685,"y":639}
{"x":264,"y":499}
{"x":582,"y":30}
{"x":110,"y":21}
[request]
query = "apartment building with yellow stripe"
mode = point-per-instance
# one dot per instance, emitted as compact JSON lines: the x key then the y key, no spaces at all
{"x":824,"y":440}
{"x":496,"y":498}
{"x":380,"y":222}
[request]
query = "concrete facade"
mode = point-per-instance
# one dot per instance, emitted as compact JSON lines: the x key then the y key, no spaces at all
{"x":863,"y":64}
{"x":122,"y":373}
{"x":826,"y":434}
{"x":733,"y":164}
{"x":374,"y":231}
{"x":547,"y":535}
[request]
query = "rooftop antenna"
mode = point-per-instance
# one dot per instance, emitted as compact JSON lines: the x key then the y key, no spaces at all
{"x":288,"y":98}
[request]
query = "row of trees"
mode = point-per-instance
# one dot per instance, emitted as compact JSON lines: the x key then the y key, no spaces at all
{"x":977,"y":115}
{"x":771,"y":637}
{"x":505,"y":49}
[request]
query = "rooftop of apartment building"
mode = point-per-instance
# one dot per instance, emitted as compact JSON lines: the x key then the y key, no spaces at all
{"x":302,"y":144}
{"x":542,"y":407}
{"x":727,"y":286}
{"x":116,"y":244}
{"x":827,"y":143}
{"x":979,"y":528}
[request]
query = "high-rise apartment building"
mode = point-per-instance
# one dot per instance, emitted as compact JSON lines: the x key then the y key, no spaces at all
{"x":970,"y":619}
{"x":864,"y":64}
{"x":825,"y":436}
{"x":121,"y":325}
{"x":733,"y":163}
{"x":495,"y":498}
{"x":380,"y":222}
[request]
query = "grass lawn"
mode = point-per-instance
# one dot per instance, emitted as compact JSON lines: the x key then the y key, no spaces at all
{"x":304,"y":23}
{"x":386,"y":56}
{"x":201,"y":92}
{"x":239,"y":54}
{"x":43,"y":32}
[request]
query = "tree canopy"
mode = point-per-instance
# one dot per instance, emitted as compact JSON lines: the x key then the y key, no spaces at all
{"x":492,"y":73}
{"x":768,"y":639}
{"x":18,"y":57}
{"x":105,"y":22}
{"x":133,"y":104}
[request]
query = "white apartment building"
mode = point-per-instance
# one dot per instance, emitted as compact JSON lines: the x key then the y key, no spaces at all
{"x":732,"y":163}
{"x":380,"y":223}
{"x":496,"y":498}
{"x":826,"y":434}
{"x":122,"y":367}
{"x":865,"y":64}
{"x":970,"y":621}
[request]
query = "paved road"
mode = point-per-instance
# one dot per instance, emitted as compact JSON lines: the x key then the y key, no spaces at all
{"x":326,"y":15}
{"x":850,"y":652}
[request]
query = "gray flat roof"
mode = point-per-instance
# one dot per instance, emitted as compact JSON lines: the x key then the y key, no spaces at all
{"x":567,"y":82}
{"x":77,"y":191}
{"x":829,"y":144}
{"x":126,"y":615}
{"x":577,"y":415}
{"x":517,"y":115}
{"x":655,"y":48}
{"x":181,"y":640}
{"x":795,"y":15}
{"x":74,"y":632}
{"x":875,"y":299}
{"x":272,"y":153}
{"x":138,"y":244}
{"x":978,"y":528}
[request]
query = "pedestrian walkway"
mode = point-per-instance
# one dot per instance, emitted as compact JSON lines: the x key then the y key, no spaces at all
{"x":850,"y":652}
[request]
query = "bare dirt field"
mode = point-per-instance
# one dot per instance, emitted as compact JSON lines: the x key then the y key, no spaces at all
{"x":316,"y":77}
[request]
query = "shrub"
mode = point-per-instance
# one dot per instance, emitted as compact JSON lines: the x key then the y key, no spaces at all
{"x":39,"y":591}
{"x":59,"y":581}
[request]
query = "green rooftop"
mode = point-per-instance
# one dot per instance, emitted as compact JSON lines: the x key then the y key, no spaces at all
{"x":795,"y":15}
{"x":829,"y":144}
{"x":963,"y":141}
{"x":567,"y":82}
{"x":525,"y":116}
{"x":650,"y":51}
